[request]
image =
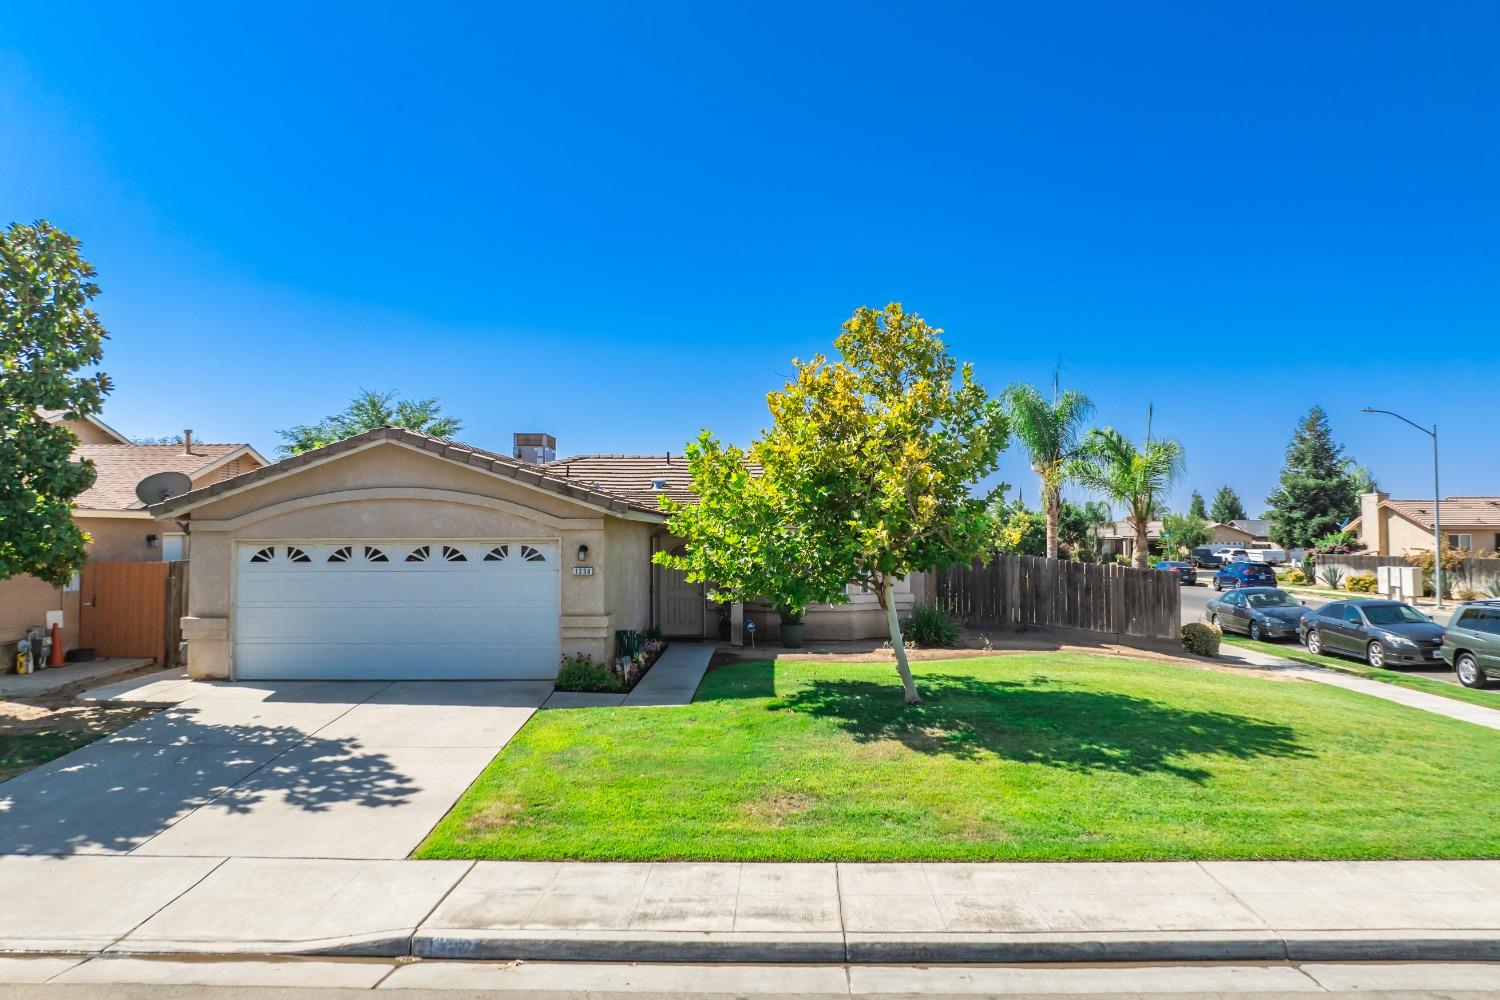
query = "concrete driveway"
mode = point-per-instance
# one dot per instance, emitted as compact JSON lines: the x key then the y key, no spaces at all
{"x":276,"y":769}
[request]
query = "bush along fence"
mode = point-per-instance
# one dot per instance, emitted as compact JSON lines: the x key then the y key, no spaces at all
{"x":1468,"y":575}
{"x":1021,"y":591}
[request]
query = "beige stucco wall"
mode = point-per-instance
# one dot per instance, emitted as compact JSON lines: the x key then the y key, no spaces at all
{"x":123,"y":539}
{"x":87,"y":433}
{"x":391,"y":491}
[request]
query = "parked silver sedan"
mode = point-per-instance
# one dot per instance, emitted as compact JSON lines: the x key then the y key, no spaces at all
{"x":1260,"y":612}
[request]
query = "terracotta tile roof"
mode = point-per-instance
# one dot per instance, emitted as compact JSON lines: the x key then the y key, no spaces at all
{"x":492,"y":462}
{"x":121,"y":466}
{"x":1458,"y":512}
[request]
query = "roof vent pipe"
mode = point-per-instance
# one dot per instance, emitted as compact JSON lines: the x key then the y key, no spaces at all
{"x":187,"y":441}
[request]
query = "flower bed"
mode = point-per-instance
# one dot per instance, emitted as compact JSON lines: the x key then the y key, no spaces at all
{"x":582,"y":673}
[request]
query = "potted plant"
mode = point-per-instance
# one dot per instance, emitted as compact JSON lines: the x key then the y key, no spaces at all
{"x":791,"y":626}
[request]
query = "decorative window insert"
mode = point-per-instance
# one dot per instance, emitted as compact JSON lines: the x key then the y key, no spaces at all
{"x":294,"y":554}
{"x":498,"y":554}
{"x":453,"y":555}
{"x":264,"y":555}
{"x":532,"y":555}
{"x":419,"y":554}
{"x":372,"y":554}
{"x":341,"y":555}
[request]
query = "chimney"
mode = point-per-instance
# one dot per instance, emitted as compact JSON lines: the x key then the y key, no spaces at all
{"x":534,"y":448}
{"x":187,"y":441}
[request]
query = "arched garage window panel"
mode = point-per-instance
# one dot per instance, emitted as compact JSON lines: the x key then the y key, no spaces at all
{"x":264,"y":555}
{"x":453,"y":555}
{"x":498,"y":554}
{"x":342,"y":554}
{"x":296,"y":555}
{"x":419,"y":554}
{"x":372,"y":554}
{"x":532,"y":555}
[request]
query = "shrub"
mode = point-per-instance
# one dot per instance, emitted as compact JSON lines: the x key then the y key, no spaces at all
{"x":1333,"y":575}
{"x":1296,"y":577}
{"x":1492,"y":586}
{"x":1469,"y":594}
{"x":1360,"y":583}
{"x":929,"y":625}
{"x":581,"y":673}
{"x":1200,"y":638}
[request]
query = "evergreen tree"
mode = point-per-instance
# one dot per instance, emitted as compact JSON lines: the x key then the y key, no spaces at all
{"x":1227,"y":506}
{"x":1196,"y":507}
{"x":1315,"y":496}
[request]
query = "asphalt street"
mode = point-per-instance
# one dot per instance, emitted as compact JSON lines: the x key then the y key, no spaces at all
{"x":1195,"y":600}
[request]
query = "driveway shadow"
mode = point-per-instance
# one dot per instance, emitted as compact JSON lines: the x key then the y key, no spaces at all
{"x":114,"y":795}
{"x":1041,"y":722}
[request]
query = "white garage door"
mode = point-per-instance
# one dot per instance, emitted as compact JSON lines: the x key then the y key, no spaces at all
{"x":396,"y":609}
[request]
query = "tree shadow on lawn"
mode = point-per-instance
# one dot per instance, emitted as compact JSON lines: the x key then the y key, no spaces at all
{"x":1040,"y":722}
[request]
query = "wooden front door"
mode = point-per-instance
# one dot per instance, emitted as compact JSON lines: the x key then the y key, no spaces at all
{"x":679,"y":603}
{"x":124,"y":609}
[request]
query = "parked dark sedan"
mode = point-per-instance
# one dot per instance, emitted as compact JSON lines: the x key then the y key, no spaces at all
{"x":1244,"y":574}
{"x":1259,"y":612}
{"x":1186,"y":572}
{"x":1383,"y":633}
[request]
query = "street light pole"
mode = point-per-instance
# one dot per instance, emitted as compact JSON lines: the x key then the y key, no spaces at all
{"x":1437,"y":503}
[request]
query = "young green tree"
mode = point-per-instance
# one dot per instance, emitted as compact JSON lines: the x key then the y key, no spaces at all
{"x":1135,"y":477}
{"x":1018,"y":530}
{"x":48,"y":336}
{"x":869,"y":467}
{"x":1315,"y":496}
{"x":1196,"y":507}
{"x":1182,"y":533}
{"x":1227,"y":506}
{"x":365,"y":412}
{"x":1049,"y":430}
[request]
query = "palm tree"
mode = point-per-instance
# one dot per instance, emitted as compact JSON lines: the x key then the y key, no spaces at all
{"x":1049,"y":430}
{"x":1135,"y":478}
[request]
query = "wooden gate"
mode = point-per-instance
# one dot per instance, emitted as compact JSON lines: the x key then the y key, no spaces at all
{"x":132,"y":608}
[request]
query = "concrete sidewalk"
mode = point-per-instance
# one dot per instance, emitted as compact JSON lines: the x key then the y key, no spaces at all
{"x":1452,"y":708}
{"x":797,"y":913}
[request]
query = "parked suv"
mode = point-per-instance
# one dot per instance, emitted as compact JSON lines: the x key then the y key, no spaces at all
{"x":1472,"y":644}
{"x":1242,"y":573}
{"x":1383,"y":633}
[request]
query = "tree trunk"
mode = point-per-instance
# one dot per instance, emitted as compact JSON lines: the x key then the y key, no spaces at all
{"x":1142,"y":545}
{"x":1054,"y":515}
{"x":888,"y":602}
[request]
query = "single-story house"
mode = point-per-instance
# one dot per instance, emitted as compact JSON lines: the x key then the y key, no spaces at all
{"x":119,"y":527}
{"x":1395,"y":527}
{"x":393,"y":554}
{"x":1118,"y":537}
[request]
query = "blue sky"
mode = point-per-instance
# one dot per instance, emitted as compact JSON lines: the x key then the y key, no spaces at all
{"x":618,"y":222}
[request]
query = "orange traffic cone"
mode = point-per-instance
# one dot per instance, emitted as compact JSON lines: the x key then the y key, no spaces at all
{"x":56,"y":659}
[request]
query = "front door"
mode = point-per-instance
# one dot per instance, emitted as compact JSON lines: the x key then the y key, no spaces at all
{"x":679,"y":603}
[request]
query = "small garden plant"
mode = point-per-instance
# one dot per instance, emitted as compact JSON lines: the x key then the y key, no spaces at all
{"x":1201,"y":639}
{"x":1360,"y":583}
{"x":581,"y":673}
{"x":929,"y":625}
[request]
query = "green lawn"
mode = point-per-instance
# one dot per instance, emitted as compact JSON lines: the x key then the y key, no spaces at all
{"x":1488,"y":697}
{"x":23,"y":751}
{"x":1046,"y":756}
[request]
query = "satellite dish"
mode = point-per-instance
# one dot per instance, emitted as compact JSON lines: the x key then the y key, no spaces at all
{"x":162,"y":486}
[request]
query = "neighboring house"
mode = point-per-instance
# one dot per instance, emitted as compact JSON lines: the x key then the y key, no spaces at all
{"x":1395,"y":527}
{"x":394,"y":554}
{"x":1118,"y":537}
{"x":119,"y":527}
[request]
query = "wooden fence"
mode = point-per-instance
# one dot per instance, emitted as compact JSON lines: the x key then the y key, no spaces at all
{"x":1021,"y":591}
{"x":133,"y":608}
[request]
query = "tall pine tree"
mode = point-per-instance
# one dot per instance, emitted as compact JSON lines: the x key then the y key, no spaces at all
{"x":1227,"y":506}
{"x":1315,"y":496}
{"x":1196,"y":507}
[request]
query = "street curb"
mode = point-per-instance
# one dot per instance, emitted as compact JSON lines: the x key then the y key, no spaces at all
{"x":632,"y":946}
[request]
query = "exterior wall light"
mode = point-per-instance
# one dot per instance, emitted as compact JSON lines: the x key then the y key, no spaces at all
{"x":583,"y":553}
